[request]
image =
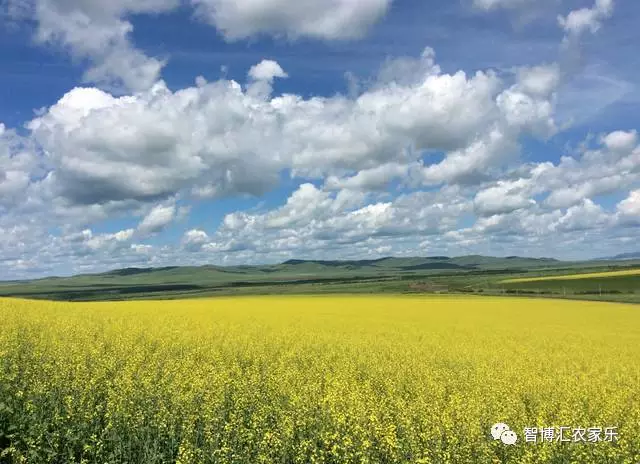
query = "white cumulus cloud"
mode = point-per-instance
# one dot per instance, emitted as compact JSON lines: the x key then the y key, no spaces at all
{"x":330,"y":19}
{"x":630,"y":206}
{"x":583,"y":20}
{"x":158,"y":218}
{"x":98,"y":31}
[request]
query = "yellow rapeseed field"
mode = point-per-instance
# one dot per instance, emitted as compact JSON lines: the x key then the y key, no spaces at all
{"x":316,"y":380}
{"x":588,"y":275}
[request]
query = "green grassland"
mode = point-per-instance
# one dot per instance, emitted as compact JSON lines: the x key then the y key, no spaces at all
{"x":621,"y":283}
{"x":466,"y":274}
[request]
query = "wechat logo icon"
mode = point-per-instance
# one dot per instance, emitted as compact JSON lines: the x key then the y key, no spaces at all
{"x":502,"y":432}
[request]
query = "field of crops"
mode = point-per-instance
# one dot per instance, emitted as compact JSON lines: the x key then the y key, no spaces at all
{"x":587,"y":275}
{"x":316,"y":380}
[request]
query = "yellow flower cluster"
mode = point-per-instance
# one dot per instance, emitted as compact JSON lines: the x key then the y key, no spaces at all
{"x":315,"y":380}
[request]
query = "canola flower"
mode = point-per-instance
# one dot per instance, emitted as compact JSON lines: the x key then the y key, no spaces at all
{"x":315,"y":379}
{"x":587,"y":275}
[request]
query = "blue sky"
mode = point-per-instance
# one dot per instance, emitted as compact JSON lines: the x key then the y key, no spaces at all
{"x":209,"y":131}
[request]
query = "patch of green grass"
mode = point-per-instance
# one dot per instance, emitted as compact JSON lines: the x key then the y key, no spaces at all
{"x":426,"y":275}
{"x":619,"y":283}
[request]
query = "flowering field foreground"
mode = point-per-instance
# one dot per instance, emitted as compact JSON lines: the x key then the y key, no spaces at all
{"x":317,"y":380}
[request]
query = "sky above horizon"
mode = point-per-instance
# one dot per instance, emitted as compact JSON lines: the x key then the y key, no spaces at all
{"x":184,"y":132}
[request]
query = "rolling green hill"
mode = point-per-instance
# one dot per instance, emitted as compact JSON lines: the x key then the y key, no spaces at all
{"x":390,"y":274}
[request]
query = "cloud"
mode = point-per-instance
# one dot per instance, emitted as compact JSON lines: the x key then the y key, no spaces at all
{"x":96,"y":31}
{"x":573,"y":180}
{"x":314,"y":219}
{"x":18,"y":163}
{"x":585,"y":216}
{"x":596,"y":172}
{"x":104,"y":148}
{"x":357,"y":160}
{"x":505,"y":197}
{"x":99,"y":32}
{"x":578,"y":22}
{"x":14,"y":168}
{"x":621,"y":142}
{"x":524,"y":108}
{"x":534,"y":228}
{"x":88,"y":242}
{"x":266,"y":70}
{"x":630,"y":206}
{"x":194,"y":239}
{"x":261,"y":78}
{"x":520,"y":13}
{"x":440,"y":112}
{"x":528,"y":105}
{"x":157,"y":219}
{"x":373,"y":179}
{"x":329,"y":20}
{"x":316,"y":223}
{"x":217,"y":140}
{"x":488,"y":5}
{"x":105,"y":156}
{"x":472,"y":164}
{"x":539,"y":81}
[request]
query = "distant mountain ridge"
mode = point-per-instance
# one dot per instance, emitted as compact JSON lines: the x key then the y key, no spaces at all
{"x":361,"y":262}
{"x":422,"y":262}
{"x":623,"y":256}
{"x":306,"y":268}
{"x":313,"y":266}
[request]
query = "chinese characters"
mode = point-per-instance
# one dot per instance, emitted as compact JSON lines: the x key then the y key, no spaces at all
{"x":570,"y":434}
